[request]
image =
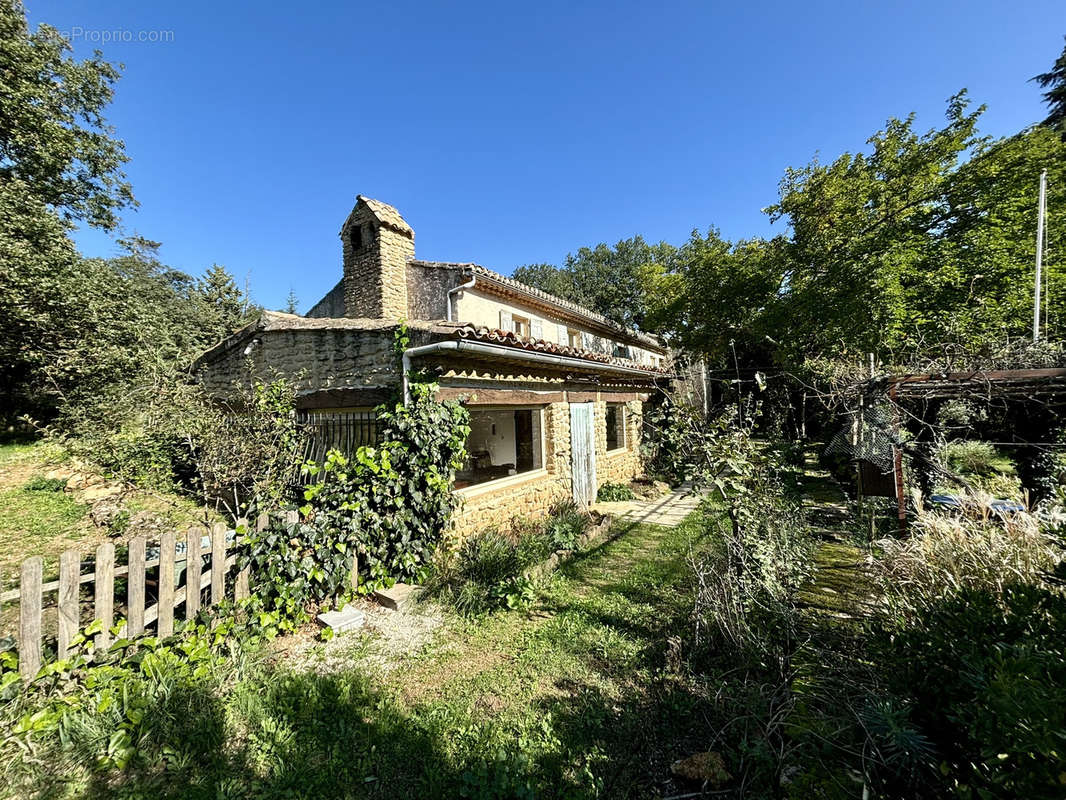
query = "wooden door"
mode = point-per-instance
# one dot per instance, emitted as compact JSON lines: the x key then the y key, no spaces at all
{"x":583,"y":453}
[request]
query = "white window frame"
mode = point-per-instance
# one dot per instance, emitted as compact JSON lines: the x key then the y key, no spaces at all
{"x":522,"y":326}
{"x":521,"y":477}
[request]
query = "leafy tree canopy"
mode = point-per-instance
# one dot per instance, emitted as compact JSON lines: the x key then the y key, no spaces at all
{"x":612,"y":281}
{"x":54,"y":138}
{"x":1054,"y":80}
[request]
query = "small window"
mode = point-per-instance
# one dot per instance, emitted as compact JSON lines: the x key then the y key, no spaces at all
{"x":620,"y":351}
{"x":616,"y":426}
{"x":573,"y":339}
{"x":355,"y":237}
{"x":520,"y":325}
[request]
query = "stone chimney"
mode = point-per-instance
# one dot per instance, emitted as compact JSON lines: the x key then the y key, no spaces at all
{"x":377,"y":245}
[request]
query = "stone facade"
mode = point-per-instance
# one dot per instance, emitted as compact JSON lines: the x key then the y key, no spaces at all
{"x":375,"y":250}
{"x":427,"y":289}
{"x":331,"y":306}
{"x":343,"y":356}
{"x":532,"y":495}
{"x":619,"y":466}
{"x":316,"y":355}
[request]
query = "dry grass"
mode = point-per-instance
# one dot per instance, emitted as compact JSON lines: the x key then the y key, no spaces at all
{"x":975,"y":547}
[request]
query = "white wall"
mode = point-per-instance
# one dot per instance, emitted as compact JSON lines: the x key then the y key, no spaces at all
{"x":476,"y":308}
{"x":501,"y":445}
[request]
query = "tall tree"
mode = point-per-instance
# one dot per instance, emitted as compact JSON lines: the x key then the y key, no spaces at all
{"x":862,"y":231}
{"x":54,"y":138}
{"x":292,"y":303}
{"x":1055,"y":82}
{"x":612,"y":281}
{"x":722,"y":293}
{"x":59,"y":162}
{"x":548,"y":278}
{"x":225,"y":306}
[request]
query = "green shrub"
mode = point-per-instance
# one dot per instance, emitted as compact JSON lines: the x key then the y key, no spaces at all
{"x":297,"y":567}
{"x":137,"y":705}
{"x":975,"y":458}
{"x":169,"y":434}
{"x":566,"y":523}
{"x":392,"y":502}
{"x":42,"y":484}
{"x":669,"y":429}
{"x":485,"y":574}
{"x":611,"y":492}
{"x":488,"y":572}
{"x":984,"y":676}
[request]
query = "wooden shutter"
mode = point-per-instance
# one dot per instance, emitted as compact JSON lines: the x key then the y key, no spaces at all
{"x":583,"y":453}
{"x":564,"y":335}
{"x":536,"y":329}
{"x":506,"y":321}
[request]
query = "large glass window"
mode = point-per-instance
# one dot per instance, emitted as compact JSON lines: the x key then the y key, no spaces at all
{"x":616,"y":426}
{"x":502,"y":442}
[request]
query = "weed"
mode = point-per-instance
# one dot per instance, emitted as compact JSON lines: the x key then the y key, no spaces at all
{"x":612,"y":492}
{"x":42,"y":484}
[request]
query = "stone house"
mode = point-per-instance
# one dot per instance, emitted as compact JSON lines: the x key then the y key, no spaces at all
{"x":556,"y":392}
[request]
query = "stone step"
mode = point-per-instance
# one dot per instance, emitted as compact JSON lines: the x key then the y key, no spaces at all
{"x":399,"y":597}
{"x":348,"y":618}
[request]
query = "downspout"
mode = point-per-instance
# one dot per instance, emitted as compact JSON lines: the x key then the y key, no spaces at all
{"x":538,"y":357}
{"x":468,"y":285}
{"x":424,"y":350}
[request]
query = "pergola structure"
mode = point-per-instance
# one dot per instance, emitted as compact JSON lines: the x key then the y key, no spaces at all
{"x":1045,"y":385}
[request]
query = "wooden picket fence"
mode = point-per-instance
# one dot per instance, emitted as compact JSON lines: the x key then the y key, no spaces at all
{"x":140,"y":617}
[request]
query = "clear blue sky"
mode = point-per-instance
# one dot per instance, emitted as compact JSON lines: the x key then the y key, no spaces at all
{"x":510,"y":133}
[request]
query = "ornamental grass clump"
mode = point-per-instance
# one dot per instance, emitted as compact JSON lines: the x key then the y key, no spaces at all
{"x":977,"y":548}
{"x":970,"y":643}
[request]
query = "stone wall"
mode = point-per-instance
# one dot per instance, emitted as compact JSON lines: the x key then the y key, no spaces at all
{"x":619,"y":466}
{"x":532,"y":495}
{"x":330,"y":306}
{"x":522,"y":496}
{"x":427,"y":289}
{"x":375,"y":267}
{"x":313,"y":359}
{"x":528,"y":499}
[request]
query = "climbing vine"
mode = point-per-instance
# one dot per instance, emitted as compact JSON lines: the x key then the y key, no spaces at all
{"x":388,"y":503}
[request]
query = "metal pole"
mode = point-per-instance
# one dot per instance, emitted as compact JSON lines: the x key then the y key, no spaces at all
{"x":897,"y":467}
{"x":1039,"y":253}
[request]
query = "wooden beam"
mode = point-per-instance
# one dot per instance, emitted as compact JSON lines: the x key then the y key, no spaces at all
{"x":982,"y":376}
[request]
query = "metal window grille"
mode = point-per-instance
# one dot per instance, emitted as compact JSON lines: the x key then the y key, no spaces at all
{"x":346,"y":431}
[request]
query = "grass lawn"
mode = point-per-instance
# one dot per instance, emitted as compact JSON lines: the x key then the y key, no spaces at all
{"x":575,"y":698}
{"x":34,"y":522}
{"x":36,"y":519}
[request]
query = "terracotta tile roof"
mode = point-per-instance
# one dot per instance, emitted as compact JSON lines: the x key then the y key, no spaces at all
{"x":551,"y":300}
{"x":280,"y":321}
{"x":511,"y":339}
{"x":386,"y":215}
